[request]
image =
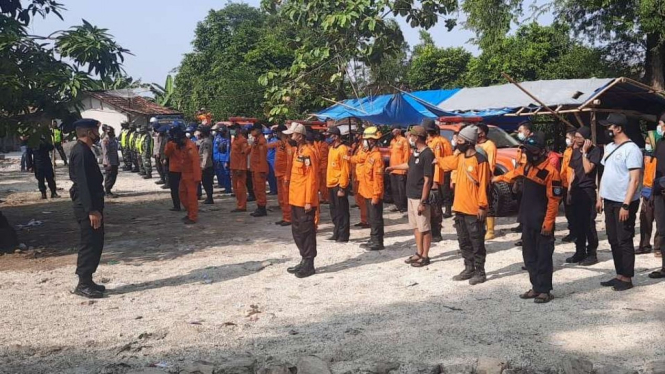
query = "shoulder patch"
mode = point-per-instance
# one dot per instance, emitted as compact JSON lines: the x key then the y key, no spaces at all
{"x":542,"y":174}
{"x":557,"y":191}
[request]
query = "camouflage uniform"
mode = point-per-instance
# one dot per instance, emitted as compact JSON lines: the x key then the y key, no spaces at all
{"x":146,"y":153}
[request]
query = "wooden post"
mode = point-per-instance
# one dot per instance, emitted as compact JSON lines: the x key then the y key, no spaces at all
{"x":593,"y":127}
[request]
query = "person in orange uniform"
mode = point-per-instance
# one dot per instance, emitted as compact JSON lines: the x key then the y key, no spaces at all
{"x":322,"y":147}
{"x":542,"y":194}
{"x":283,"y":160}
{"x":441,"y":148}
{"x":370,"y":176}
{"x":258,"y":159}
{"x":239,"y":151}
{"x":338,"y":183}
{"x":470,"y":205}
{"x":489,"y":148}
{"x":400,"y":151}
{"x":304,"y":199}
{"x":175,"y":166}
{"x":190,"y":166}
{"x":358,"y":157}
{"x":647,"y":212}
{"x":566,"y":177}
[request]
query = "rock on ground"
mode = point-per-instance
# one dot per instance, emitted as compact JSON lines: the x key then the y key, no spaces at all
{"x":312,"y":365}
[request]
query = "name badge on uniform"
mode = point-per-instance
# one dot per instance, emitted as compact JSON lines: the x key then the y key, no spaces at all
{"x":417,"y":161}
{"x":470,"y":168}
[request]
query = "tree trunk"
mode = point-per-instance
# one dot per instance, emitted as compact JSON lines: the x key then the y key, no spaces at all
{"x":654,"y":63}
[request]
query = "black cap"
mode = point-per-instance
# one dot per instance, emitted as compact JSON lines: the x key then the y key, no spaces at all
{"x":429,"y":124}
{"x":617,"y":119}
{"x":85,"y":123}
{"x":334,"y":130}
{"x":257,"y":126}
{"x":585,"y":132}
{"x":204,"y":129}
{"x":281,"y":127}
{"x":535,"y":142}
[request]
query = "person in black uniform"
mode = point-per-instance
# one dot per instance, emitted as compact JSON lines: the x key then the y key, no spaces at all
{"x":44,"y":168}
{"x":87,"y":194}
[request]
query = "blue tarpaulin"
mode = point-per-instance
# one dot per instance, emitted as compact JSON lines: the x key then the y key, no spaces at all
{"x":397,"y":109}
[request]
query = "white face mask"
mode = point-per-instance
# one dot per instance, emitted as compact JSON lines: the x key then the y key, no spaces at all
{"x":569,"y":142}
{"x":412,"y":143}
{"x":648,"y":148}
{"x":214,"y":133}
{"x":366,"y":144}
{"x":521,"y":136}
{"x":188,"y":134}
{"x":659,"y":130}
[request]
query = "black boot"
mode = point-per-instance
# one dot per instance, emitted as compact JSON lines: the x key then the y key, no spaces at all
{"x":260,"y":212}
{"x":209,"y":201}
{"x":466,"y":274}
{"x":591,"y":258}
{"x":376,"y":247}
{"x":54,"y":195}
{"x":294,"y":269}
{"x":447,"y":212}
{"x":86,"y":288}
{"x":368,"y":244}
{"x":478,"y":277}
{"x":44,"y":195}
{"x":307,"y":269}
{"x":577,"y":257}
{"x":436,"y":235}
{"x":160,"y":182}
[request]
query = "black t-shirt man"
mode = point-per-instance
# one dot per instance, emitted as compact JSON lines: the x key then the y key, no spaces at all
{"x":582,"y":179}
{"x":420,"y":166}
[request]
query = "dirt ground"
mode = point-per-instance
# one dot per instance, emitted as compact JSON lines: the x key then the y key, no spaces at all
{"x":221,"y":287}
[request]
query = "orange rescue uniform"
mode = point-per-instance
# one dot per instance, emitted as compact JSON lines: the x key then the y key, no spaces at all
{"x":283,"y":161}
{"x":472,"y":179}
{"x":357,"y":160}
{"x":566,"y":171}
{"x":490,"y":152}
{"x":441,"y":147}
{"x":400,"y":151}
{"x":258,"y":161}
{"x":370,"y":176}
{"x":191,"y":177}
{"x":303,"y":187}
{"x":239,"y":151}
{"x":338,"y":172}
{"x":322,"y":147}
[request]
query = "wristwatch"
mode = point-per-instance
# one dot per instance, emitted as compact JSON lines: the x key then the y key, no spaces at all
{"x":625,"y":206}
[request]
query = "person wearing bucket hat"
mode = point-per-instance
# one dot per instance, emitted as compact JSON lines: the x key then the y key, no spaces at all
{"x":619,"y":197}
{"x":584,"y":162}
{"x":337,"y":182}
{"x":471,"y":202}
{"x":87,"y":193}
{"x":542,"y":194}
{"x":400,"y":151}
{"x":304,"y":199}
{"x":440,"y":195}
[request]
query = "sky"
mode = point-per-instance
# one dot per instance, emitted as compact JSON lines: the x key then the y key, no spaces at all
{"x":160,"y":32}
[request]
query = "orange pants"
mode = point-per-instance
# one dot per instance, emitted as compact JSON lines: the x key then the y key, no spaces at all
{"x":283,"y":198}
{"x":240,"y":188}
{"x":188,"y":188}
{"x":360,"y":201}
{"x":323,"y":189}
{"x":259,"y":180}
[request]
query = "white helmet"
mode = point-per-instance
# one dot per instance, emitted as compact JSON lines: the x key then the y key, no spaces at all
{"x":153,"y":120}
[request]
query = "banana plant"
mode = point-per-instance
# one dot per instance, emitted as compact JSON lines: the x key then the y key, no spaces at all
{"x":163,"y":94}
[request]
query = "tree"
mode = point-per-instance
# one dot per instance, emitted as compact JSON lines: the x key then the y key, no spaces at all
{"x":435,"y":68}
{"x":35,"y":83}
{"x":538,"y":52}
{"x":164,"y":94}
{"x":351,"y":30}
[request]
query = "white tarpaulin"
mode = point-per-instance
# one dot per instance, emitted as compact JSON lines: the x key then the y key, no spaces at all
{"x":550,"y":92}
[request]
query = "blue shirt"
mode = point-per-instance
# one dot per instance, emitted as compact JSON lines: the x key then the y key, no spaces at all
{"x":618,"y":163}
{"x":221,"y":143}
{"x":272,"y":152}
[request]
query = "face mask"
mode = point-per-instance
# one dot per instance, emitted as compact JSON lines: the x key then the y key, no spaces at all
{"x":365,"y":144}
{"x":569,"y":142}
{"x":660,"y":130}
{"x":463,"y":147}
{"x":214,"y":133}
{"x":412,"y":143}
{"x":188,"y":134}
{"x":610,"y":133}
{"x":648,"y":148}
{"x":293,"y":143}
{"x":521,"y":136}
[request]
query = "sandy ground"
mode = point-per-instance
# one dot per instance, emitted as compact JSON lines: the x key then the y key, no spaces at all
{"x":221,"y":287}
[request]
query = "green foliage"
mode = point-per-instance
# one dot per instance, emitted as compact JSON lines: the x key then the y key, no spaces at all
{"x":341,"y":32}
{"x":434,"y":68}
{"x":537,"y":52}
{"x":35,"y":86}
{"x":164,"y":94}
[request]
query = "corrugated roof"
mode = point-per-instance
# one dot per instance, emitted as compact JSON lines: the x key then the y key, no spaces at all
{"x":133,"y":105}
{"x":550,"y":92}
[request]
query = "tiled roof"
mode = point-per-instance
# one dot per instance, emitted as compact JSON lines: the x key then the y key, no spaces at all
{"x":134,"y":105}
